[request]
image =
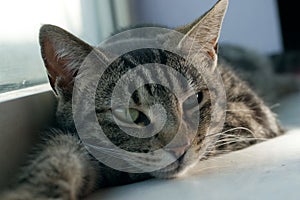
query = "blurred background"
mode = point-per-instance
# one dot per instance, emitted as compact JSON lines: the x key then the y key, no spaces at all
{"x":259,"y":25}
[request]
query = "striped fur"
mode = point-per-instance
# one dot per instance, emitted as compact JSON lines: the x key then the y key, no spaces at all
{"x":61,"y":168}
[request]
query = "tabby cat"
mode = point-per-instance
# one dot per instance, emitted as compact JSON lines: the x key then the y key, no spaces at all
{"x":63,"y":168}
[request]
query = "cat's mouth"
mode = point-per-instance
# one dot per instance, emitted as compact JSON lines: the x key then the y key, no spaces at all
{"x":180,"y":159}
{"x":172,"y":170}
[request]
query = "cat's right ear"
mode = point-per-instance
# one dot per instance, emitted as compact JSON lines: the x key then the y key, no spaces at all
{"x":202,"y":35}
{"x":62,"y":53}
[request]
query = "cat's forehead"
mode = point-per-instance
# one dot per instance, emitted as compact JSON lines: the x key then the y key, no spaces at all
{"x":150,"y":76}
{"x":152,"y":66}
{"x":156,"y":45}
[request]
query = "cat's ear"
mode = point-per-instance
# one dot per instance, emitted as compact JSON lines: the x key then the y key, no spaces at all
{"x":202,"y":35}
{"x":62,"y":54}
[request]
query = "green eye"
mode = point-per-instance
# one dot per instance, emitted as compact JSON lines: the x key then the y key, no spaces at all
{"x":191,"y":103}
{"x":133,"y":113}
{"x":126,"y":115}
{"x":129,"y":115}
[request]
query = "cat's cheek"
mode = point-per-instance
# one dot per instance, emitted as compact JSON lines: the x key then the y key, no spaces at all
{"x":190,"y":158}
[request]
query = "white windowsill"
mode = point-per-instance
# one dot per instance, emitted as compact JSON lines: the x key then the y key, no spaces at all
{"x":267,"y":170}
{"x":13,"y":95}
{"x":22,"y":113}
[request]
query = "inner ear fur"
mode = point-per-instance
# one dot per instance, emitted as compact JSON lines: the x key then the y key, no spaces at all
{"x":62,"y":54}
{"x":203,"y":34}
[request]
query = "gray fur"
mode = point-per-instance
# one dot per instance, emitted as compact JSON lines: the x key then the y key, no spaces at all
{"x":62,"y":168}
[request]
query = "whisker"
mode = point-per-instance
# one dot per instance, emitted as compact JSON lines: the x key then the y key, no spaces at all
{"x":276,"y":105}
{"x":228,"y":141}
{"x":232,"y":129}
{"x":240,"y":137}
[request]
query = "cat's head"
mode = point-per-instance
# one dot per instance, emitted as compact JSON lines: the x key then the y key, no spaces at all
{"x":64,"y":55}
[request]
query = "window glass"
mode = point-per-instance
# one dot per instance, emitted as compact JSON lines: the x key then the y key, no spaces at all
{"x":20,"y":60}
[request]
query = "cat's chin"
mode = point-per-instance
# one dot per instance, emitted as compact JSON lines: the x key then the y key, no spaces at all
{"x":179,"y":167}
{"x":172,"y":170}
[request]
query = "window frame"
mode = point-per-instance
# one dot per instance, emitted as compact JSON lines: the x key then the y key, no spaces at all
{"x":24,"y":112}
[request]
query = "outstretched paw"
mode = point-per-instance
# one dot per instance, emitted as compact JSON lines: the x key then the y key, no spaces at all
{"x":29,"y":193}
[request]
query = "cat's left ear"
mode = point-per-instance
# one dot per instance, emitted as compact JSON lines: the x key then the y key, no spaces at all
{"x":62,"y":53}
{"x":203,"y":34}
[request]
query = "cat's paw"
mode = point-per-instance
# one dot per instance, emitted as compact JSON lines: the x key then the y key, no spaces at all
{"x":15,"y":195}
{"x":26,"y":196}
{"x":32,"y":194}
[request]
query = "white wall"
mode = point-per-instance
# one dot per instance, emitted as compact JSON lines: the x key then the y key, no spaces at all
{"x":252,"y":23}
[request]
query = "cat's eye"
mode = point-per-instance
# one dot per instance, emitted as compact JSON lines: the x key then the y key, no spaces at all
{"x":129,"y":115}
{"x":199,"y":97}
{"x":191,"y":102}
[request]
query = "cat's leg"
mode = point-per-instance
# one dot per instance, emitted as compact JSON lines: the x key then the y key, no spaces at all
{"x":61,"y":170}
